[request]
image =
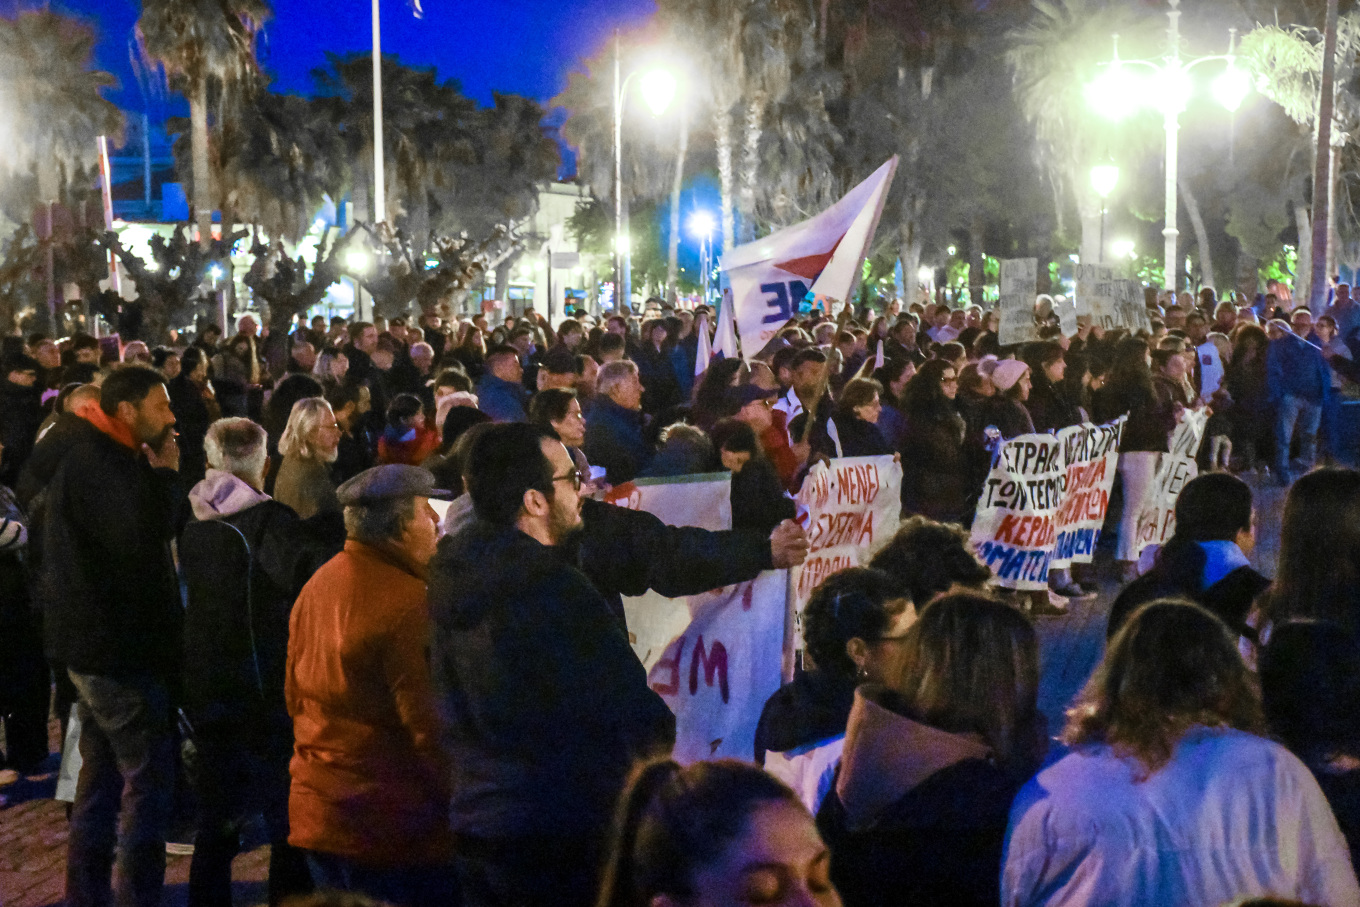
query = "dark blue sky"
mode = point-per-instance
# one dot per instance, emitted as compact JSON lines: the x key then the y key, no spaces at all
{"x":520,"y":46}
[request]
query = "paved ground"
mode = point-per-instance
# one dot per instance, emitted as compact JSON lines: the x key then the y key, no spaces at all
{"x":33,"y":826}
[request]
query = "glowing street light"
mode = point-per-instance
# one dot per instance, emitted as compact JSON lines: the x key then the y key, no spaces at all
{"x":659,"y":88}
{"x":216,"y":272}
{"x":1118,"y":90}
{"x":1123,"y":248}
{"x":701,"y":227}
{"x":357,"y":260}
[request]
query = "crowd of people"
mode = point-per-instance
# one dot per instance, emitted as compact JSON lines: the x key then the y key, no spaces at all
{"x":224,"y":556}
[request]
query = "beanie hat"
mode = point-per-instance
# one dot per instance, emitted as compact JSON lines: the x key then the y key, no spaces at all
{"x":1007,"y":373}
{"x":986,"y":365}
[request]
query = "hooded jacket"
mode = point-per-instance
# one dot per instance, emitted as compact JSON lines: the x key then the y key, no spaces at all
{"x":545,"y":705}
{"x":801,"y":733}
{"x":234,"y":647}
{"x":918,"y":815}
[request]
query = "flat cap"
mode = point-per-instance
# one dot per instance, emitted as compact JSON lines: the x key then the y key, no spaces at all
{"x":390,"y":482}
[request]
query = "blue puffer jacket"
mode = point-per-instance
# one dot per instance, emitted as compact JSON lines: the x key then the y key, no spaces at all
{"x":1295,"y":368}
{"x":502,"y":400}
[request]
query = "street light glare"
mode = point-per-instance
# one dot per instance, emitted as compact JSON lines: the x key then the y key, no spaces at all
{"x":216,"y":272}
{"x":701,"y":225}
{"x":1231,"y":88}
{"x":658,"y":89}
{"x":622,"y":244}
{"x":357,"y":260}
{"x":1123,"y":248}
{"x":1104,"y":177}
{"x":1173,"y":89}
{"x":1116,"y":93}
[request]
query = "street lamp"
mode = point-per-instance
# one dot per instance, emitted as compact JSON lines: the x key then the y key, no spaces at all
{"x":1117,"y":91}
{"x":1104,"y":177}
{"x":658,"y":90}
{"x":701,"y":227}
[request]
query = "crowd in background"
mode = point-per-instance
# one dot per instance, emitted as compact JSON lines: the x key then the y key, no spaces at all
{"x":229,"y":542}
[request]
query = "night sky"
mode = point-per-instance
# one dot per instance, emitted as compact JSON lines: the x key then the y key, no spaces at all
{"x":520,"y":46}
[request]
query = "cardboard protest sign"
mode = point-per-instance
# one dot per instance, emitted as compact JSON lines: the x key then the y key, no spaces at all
{"x":849,"y":508}
{"x":1157,"y":516}
{"x":1091,"y":455}
{"x":1066,"y":310}
{"x":1044,"y":502}
{"x":1096,"y":295}
{"x":1132,"y":308}
{"x":715,"y":658}
{"x":1019,"y":284}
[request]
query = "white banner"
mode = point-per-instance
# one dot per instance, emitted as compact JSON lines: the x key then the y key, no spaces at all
{"x":715,"y":658}
{"x":1044,"y":502}
{"x":1019,"y":285}
{"x":1157,"y":516}
{"x":850,"y":508}
{"x":770,"y":277}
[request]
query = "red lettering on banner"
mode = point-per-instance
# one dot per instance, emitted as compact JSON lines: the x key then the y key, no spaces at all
{"x":714,"y":662}
{"x":1004,"y":532}
{"x":857,"y":485}
{"x":669,"y":663}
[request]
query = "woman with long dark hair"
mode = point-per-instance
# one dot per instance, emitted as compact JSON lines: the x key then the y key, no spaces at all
{"x":935,"y":475}
{"x":1151,"y":418}
{"x":933,"y":758}
{"x":710,"y":396}
{"x":1049,"y":405}
{"x":1252,"y":414}
{"x":892,"y":376}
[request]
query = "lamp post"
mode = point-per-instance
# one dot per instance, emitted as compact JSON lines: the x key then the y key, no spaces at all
{"x":1104,"y":177}
{"x":701,"y":227}
{"x":1117,"y":90}
{"x":658,"y":90}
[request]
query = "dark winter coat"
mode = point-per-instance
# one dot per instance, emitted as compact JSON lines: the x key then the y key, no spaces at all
{"x":545,"y":705}
{"x":1009,"y":415}
{"x":615,"y":442}
{"x":107,"y":583}
{"x":936,"y":479}
{"x":1178,"y":573}
{"x":1151,"y":410}
{"x":21,"y":415}
{"x":858,"y":438}
{"x":227,"y":642}
{"x":1050,"y":407}
{"x":192,"y":419}
{"x":918,"y":815}
{"x":814,"y":706}
{"x":758,"y":500}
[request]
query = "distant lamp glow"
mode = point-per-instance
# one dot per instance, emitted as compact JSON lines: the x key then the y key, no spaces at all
{"x":1116,"y":92}
{"x":1231,"y":88}
{"x":320,"y":223}
{"x":357,"y":260}
{"x":702,"y":225}
{"x":152,"y":267}
{"x":1104,"y":177}
{"x":1173,"y":89}
{"x":1123,"y":248}
{"x":925,"y":274}
{"x":622,"y":243}
{"x":952,"y":250}
{"x":658,"y":90}
{"x":216,"y":272}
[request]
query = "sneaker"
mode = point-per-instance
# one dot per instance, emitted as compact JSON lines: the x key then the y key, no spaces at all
{"x":1071,"y":589}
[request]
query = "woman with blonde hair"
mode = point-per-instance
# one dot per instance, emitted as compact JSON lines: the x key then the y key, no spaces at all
{"x":310,"y":444}
{"x":1172,"y":794}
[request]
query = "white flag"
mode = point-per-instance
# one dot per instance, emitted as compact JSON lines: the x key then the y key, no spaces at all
{"x":726,"y":340}
{"x":705,"y":349}
{"x":878,"y":357}
{"x":818,"y":259}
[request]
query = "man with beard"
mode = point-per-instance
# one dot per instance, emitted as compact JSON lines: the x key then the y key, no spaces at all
{"x":545,"y":705}
{"x":113,"y":617}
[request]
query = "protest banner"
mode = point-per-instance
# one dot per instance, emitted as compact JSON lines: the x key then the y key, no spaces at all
{"x":772,"y":278}
{"x":1091,"y":455}
{"x":1019,"y":286}
{"x":714,"y":658}
{"x":1176,"y":467}
{"x":1044,"y":501}
{"x":1066,"y":310}
{"x":850,"y":507}
{"x":1131,"y":305}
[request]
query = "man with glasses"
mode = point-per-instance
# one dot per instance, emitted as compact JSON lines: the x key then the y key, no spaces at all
{"x":545,"y":704}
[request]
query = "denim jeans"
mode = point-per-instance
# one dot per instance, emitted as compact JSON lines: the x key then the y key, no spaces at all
{"x":1296,"y":415}
{"x":125,"y":793}
{"x":413,"y":886}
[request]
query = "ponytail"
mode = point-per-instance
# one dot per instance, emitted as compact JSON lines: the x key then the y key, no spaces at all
{"x":644,"y":785}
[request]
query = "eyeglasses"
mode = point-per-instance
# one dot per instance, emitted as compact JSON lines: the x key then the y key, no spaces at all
{"x":575,"y":477}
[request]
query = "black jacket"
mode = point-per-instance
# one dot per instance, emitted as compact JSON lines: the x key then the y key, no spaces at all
{"x":107,"y":583}
{"x":758,"y":500}
{"x":545,"y":705}
{"x":858,"y":438}
{"x":192,"y":420}
{"x":813,"y":707}
{"x":627,"y":552}
{"x":21,"y":415}
{"x":221,"y":648}
{"x":1178,"y":573}
{"x":939,"y":480}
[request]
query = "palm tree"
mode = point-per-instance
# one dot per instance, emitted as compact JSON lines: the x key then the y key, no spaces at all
{"x":55,"y":111}
{"x":204,"y":45}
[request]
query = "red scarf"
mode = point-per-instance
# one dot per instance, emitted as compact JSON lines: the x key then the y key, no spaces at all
{"x":115,"y":428}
